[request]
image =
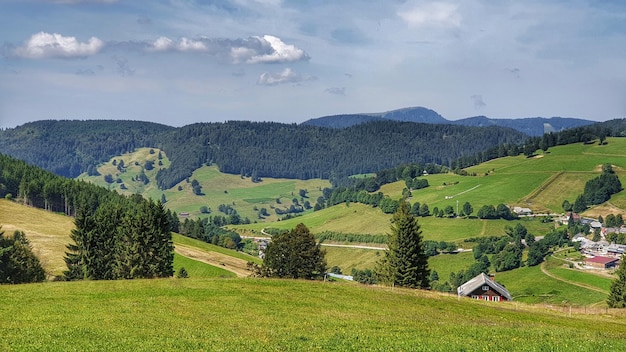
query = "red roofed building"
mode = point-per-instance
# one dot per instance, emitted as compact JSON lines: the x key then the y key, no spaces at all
{"x":602,"y":262}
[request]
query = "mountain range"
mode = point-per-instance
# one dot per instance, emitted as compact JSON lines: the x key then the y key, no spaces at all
{"x":531,"y":126}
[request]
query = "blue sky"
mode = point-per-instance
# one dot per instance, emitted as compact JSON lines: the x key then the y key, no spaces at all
{"x":181,"y":61}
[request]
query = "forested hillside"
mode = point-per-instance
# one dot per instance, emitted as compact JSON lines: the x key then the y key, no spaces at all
{"x":302,"y":152}
{"x":69,"y":148}
{"x":261,"y":149}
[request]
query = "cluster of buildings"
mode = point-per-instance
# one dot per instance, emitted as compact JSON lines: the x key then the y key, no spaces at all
{"x":600,"y":254}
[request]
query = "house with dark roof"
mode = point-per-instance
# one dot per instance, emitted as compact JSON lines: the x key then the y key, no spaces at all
{"x":484,"y":287}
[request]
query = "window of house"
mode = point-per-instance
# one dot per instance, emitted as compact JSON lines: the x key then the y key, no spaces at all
{"x":486,"y":298}
{"x":485,"y":288}
{"x":495,"y":298}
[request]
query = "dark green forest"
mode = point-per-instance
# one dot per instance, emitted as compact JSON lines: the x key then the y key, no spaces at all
{"x":69,"y":148}
{"x":266,"y":149}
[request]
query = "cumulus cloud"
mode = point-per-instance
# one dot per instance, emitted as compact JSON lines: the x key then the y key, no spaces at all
{"x":432,"y":15}
{"x":336,"y":90}
{"x":285,"y":76}
{"x":267,"y":49}
{"x":253,"y":50}
{"x":46,"y":45}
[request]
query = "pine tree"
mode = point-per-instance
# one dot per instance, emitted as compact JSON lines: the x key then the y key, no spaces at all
{"x":617,"y":295}
{"x":405,"y":263}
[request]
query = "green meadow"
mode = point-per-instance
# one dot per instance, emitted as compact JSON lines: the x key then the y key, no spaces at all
{"x":284,"y":315}
{"x":218,"y":188}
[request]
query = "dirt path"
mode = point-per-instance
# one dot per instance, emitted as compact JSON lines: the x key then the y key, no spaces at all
{"x":235,"y":265}
{"x":589,"y":287}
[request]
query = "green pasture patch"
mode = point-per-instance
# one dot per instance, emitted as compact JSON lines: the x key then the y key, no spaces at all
{"x":199,"y":269}
{"x":285,"y":315}
{"x":259,"y":200}
{"x":352,"y":258}
{"x":339,"y":218}
{"x":530,"y":285}
{"x":603,"y":283}
{"x":444,"y":264}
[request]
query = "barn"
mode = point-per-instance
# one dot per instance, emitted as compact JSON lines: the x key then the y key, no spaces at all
{"x":602,"y":262}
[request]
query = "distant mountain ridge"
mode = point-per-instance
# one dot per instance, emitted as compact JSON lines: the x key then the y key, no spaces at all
{"x":531,"y":126}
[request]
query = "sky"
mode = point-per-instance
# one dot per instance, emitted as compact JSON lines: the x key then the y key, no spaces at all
{"x":179,"y":62}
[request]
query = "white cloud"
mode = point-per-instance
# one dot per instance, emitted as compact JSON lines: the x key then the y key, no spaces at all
{"x":254,"y":50}
{"x":187,"y":44}
{"x":276,"y":52}
{"x":184,"y":44}
{"x":434,"y":14}
{"x":162,"y":44}
{"x":285,"y":76}
{"x":44,"y":45}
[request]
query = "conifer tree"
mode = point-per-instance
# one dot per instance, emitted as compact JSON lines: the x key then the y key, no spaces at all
{"x":617,"y":295}
{"x":405,"y":263}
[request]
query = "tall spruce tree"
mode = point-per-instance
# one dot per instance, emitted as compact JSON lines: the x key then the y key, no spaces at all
{"x":617,"y":295}
{"x":405,"y":263}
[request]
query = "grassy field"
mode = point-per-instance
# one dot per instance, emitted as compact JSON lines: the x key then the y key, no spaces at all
{"x":198,"y":269}
{"x":444,"y":264}
{"x":48,"y":233}
{"x":217,"y":188}
{"x":351,"y":258}
{"x":531,"y":285}
{"x":284,"y":315}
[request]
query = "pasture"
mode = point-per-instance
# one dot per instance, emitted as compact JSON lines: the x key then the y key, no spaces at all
{"x":217,"y":188}
{"x":284,"y":315}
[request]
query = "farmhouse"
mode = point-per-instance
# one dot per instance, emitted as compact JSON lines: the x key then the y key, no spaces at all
{"x":602,"y":262}
{"x":484,"y":287}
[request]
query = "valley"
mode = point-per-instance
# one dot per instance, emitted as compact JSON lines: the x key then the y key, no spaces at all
{"x":544,"y":295}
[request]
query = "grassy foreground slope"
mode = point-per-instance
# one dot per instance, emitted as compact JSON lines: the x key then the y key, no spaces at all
{"x":281,"y":315}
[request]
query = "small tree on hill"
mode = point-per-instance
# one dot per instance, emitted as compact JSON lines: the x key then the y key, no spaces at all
{"x":617,"y":295}
{"x":295,"y":255}
{"x":405,"y":263}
